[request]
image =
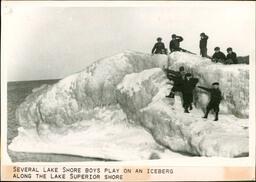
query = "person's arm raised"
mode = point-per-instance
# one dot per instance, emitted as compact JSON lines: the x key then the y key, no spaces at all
{"x":204,"y":88}
{"x":180,"y":38}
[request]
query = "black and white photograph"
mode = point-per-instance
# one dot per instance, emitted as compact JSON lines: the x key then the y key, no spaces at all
{"x":136,"y":82}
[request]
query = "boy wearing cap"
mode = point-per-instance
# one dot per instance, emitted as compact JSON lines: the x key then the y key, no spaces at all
{"x":158,"y":47}
{"x":214,"y":101}
{"x":218,"y":56}
{"x":231,"y":56}
{"x":175,"y":43}
{"x":203,"y":44}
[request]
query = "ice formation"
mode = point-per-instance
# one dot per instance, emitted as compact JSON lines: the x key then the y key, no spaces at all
{"x":119,"y":104}
{"x":144,"y":101}
{"x":233,"y":79}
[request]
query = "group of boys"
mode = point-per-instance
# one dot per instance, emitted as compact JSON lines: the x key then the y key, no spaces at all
{"x":184,"y":82}
{"x":218,"y":56}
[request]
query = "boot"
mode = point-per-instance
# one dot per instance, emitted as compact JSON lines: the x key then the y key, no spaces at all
{"x":206,"y":114}
{"x":186,"y":110}
{"x":171,"y":95}
{"x":190,"y":107}
{"x":216,"y":117}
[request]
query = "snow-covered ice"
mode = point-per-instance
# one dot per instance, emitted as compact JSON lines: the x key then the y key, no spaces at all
{"x":171,"y":127}
{"x":107,"y":135}
{"x":116,"y":109}
{"x":233,"y":79}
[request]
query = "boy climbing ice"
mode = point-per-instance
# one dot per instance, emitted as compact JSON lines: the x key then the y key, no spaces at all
{"x":214,"y":101}
{"x":178,"y":78}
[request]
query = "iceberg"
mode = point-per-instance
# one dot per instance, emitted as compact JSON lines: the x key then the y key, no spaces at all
{"x":142,"y":97}
{"x":116,"y":109}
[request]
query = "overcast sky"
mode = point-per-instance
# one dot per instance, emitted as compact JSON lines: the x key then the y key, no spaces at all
{"x":53,"y":42}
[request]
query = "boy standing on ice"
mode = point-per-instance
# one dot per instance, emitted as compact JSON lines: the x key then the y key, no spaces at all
{"x":187,"y":91}
{"x":203,"y":44}
{"x":214,"y":101}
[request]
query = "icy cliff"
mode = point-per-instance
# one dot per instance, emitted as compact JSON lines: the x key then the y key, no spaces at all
{"x":96,"y":111}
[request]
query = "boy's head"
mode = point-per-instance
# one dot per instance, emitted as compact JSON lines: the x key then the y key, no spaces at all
{"x":202,"y":35}
{"x":217,"y":49}
{"x":182,"y":70}
{"x":173,"y":36}
{"x":229,"y":50}
{"x":188,"y":76}
{"x":215,"y":85}
{"x":159,"y":39}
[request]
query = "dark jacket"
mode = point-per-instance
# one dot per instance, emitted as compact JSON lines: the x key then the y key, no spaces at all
{"x":219,"y":55}
{"x":215,"y":94}
{"x":175,"y":76}
{"x":158,"y":48}
{"x":233,"y":57}
{"x":175,"y":44}
{"x":203,"y":42}
{"x":189,"y":85}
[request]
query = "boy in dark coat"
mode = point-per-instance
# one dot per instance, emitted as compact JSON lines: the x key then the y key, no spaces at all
{"x":218,"y":56}
{"x":175,"y":43}
{"x":187,"y":91}
{"x":231,"y":56}
{"x":214,"y":101}
{"x":177,"y":77}
{"x":203,"y":44}
{"x":159,"y":47}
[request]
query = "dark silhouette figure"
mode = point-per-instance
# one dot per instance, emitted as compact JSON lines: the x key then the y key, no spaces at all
{"x":203,"y":44}
{"x":218,"y":56}
{"x":231,"y":56}
{"x":159,"y":47}
{"x":178,"y":78}
{"x":175,"y":43}
{"x":214,"y":101}
{"x":187,"y":91}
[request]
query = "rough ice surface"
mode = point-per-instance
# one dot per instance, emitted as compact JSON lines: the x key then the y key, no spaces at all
{"x":116,"y":109}
{"x":172,"y":128}
{"x":107,"y":134}
{"x":233,"y":79}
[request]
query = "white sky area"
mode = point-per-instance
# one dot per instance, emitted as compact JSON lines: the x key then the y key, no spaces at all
{"x":48,"y":42}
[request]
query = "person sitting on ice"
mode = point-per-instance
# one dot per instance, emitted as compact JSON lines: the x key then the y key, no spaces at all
{"x":158,"y":47}
{"x":164,"y":51}
{"x":214,"y":103}
{"x":203,"y":44}
{"x":188,"y":87}
{"x":231,"y":56}
{"x":218,"y":56}
{"x":177,"y":77}
{"x":175,"y":43}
